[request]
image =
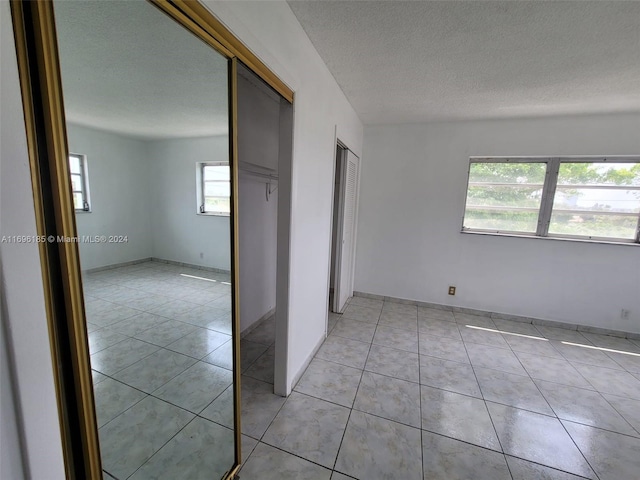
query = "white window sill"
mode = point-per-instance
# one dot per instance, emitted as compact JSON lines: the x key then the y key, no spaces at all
{"x":562,"y":239}
{"x":213,"y":214}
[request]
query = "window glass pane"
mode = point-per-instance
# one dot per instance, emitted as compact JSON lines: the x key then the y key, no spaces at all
{"x":76,"y":182}
{"x":594,"y":225}
{"x":74,"y":164}
{"x":78,"y":203}
{"x":521,"y":173}
{"x":589,"y":195}
{"x":504,"y":196}
{"x":217,"y":204}
{"x":599,"y":174}
{"x":524,"y":221}
{"x":598,"y":199}
{"x":520,"y":196}
{"x":216,"y":172}
{"x":217,"y":189}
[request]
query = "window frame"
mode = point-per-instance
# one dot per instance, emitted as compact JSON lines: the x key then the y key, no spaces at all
{"x":200,"y":188}
{"x":548,"y":195}
{"x":84,"y":180}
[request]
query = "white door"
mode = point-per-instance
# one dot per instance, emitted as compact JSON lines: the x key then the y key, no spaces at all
{"x":345,"y":245}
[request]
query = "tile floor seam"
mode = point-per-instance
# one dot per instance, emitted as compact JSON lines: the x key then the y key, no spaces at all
{"x":113,"y":344}
{"x":186,"y":409}
{"x":585,"y":378}
{"x":420,"y":404}
{"x":165,"y":346}
{"x":125,"y":410}
{"x":553,"y":410}
{"x":599,"y":428}
{"x":396,"y":378}
{"x":244,"y":370}
{"x":580,"y":450}
{"x":288,"y":453}
{"x":110,"y":474}
{"x":199,"y":359}
{"x":323,"y":399}
{"x":559,"y":421}
{"x":140,"y":359}
{"x":588,"y":425}
{"x":335,"y":362}
{"x":163,"y":445}
{"x":546,"y":466}
{"x":538,"y":388}
{"x":159,"y":387}
{"x":377,"y":415}
{"x":524,"y":409}
{"x":278,"y":412}
{"x":536,"y":379}
{"x":466,"y":442}
{"x":495,"y":430}
{"x":637,"y":430}
{"x":335,"y":462}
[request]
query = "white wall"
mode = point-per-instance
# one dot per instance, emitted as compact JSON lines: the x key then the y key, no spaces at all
{"x":258,"y":145}
{"x":179,"y":233}
{"x":10,"y":454}
{"x":271,"y":31}
{"x":146,"y":190}
{"x":411,"y":205}
{"x":23,"y":311}
{"x":119,"y":185}
{"x":258,"y":242}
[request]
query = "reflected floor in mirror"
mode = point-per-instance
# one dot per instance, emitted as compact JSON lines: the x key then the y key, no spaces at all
{"x":160,"y":344}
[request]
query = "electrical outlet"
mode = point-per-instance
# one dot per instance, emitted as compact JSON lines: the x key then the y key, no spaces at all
{"x":452,"y":290}
{"x":624,"y":314}
{"x":201,"y":255}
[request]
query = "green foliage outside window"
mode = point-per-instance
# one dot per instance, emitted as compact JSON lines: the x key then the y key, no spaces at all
{"x":507,"y":197}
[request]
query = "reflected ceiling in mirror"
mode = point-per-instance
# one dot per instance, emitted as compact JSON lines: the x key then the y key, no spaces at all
{"x":117,"y":63}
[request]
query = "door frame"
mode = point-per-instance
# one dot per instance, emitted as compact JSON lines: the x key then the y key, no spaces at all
{"x":338,"y":209}
{"x":337,"y":229}
{"x":44,"y":116}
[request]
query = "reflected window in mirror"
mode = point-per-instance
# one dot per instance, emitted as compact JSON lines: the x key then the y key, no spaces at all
{"x":214,"y":188}
{"x":79,"y":182}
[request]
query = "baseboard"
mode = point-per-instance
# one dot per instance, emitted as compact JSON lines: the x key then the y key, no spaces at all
{"x":158,"y":260}
{"x":117,"y":265}
{"x":504,"y":316}
{"x":257,"y":323}
{"x":191,"y":265}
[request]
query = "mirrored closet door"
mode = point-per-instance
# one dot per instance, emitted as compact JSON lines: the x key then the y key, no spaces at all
{"x":146,"y":105}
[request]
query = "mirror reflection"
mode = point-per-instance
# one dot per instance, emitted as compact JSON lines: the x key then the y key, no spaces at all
{"x":146,"y":105}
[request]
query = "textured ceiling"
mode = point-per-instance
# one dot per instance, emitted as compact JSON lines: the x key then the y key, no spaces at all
{"x":400,"y":62}
{"x":129,"y":69}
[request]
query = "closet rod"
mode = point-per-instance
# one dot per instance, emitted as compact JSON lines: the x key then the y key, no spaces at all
{"x":270,"y":176}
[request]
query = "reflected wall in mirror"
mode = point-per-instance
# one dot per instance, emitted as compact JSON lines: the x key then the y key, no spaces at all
{"x":146,"y":104}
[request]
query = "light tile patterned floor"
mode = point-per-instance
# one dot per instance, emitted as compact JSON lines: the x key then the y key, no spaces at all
{"x":401,"y":392}
{"x":395,"y":392}
{"x":161,"y":357}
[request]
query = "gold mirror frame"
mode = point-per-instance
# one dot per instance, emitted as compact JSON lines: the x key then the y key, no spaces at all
{"x":40,"y":83}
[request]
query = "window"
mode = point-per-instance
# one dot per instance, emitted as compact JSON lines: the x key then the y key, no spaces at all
{"x":567,"y":197}
{"x":79,"y":182}
{"x":214,"y":188}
